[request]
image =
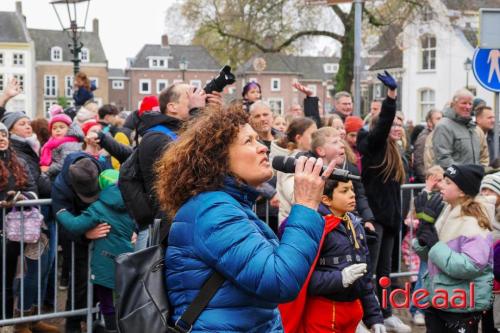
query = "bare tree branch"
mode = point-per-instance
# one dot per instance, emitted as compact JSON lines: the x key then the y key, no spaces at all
{"x":374,"y":20}
{"x":283,"y":45}
{"x":340,"y":13}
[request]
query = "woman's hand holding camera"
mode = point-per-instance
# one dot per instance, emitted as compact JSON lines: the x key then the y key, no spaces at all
{"x":308,"y":184}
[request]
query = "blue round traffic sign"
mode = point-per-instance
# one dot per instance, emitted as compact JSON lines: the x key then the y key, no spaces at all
{"x":486,"y":68}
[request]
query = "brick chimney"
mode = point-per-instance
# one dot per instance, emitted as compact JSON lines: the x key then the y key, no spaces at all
{"x":19,"y":10}
{"x":95,"y":26}
{"x":164,"y":40}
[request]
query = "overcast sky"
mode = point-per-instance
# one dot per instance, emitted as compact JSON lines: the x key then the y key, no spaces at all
{"x":124,"y":25}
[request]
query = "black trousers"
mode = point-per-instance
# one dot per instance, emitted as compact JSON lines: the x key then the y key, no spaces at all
{"x":80,"y":287}
{"x":381,"y":258}
{"x":12,"y":251}
{"x":438,"y":321}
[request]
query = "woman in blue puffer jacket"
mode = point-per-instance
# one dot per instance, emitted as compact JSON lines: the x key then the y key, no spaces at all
{"x":206,"y":181}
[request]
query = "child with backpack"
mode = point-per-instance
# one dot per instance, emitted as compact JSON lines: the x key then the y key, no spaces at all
{"x":338,"y":292}
{"x":108,"y":208}
{"x":65,"y":139}
{"x":458,"y":250}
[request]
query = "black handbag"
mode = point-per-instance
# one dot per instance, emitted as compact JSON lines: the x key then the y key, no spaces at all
{"x":142,"y":302}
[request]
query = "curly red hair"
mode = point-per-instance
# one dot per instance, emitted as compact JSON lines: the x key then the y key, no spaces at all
{"x":198,"y":160}
{"x":14,"y":167}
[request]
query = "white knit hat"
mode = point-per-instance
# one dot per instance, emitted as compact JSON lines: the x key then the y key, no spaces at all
{"x":492,"y":182}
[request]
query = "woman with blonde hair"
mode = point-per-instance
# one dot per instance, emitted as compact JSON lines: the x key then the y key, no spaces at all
{"x":206,"y":182}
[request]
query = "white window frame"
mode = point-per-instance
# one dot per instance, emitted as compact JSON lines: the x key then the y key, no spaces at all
{"x":47,"y":103}
{"x":144,"y":92}
{"x":427,"y":14}
{"x":18,"y":59}
{"x":160,"y":81}
{"x":2,"y":58}
{"x":117,"y":84}
{"x":54,"y":51}
{"x":2,"y":82}
{"x":20,"y":81}
{"x":314,"y":88}
{"x":178,"y":81}
{"x":52,"y":89}
{"x":253,"y":79}
{"x":329,"y":89}
{"x":231,"y":90}
{"x":154,"y":62}
{"x":85,"y":54}
{"x":273,"y":81}
{"x":271,"y":102}
{"x":428,"y":52}
{"x":331,"y":68}
{"x":377,"y":90}
{"x":68,"y":85}
{"x":195,"y":83}
{"x":427,"y":104}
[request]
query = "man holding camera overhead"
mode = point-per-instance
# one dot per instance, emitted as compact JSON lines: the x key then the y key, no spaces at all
{"x":158,"y":129}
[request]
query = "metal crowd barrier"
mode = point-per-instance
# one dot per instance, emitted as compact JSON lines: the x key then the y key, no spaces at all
{"x":408,"y":192}
{"x":88,"y":311}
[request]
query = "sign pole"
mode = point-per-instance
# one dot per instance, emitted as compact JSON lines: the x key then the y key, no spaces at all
{"x":358,"y":8}
{"x":496,"y":131}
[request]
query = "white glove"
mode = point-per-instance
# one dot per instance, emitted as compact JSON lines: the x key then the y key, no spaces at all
{"x":378,"y":328}
{"x":352,"y":273}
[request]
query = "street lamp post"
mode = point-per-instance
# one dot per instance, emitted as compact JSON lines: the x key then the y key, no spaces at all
{"x":70,"y":12}
{"x":325,"y":87}
{"x":467,"y":67}
{"x":183,"y":65}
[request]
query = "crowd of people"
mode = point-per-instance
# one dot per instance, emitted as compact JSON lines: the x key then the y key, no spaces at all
{"x":297,"y":252}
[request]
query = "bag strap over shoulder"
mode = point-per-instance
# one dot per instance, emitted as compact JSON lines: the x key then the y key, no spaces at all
{"x":185,"y":323}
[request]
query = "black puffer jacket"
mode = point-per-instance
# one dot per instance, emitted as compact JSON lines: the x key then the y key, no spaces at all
{"x":384,"y":198}
{"x":150,"y":149}
{"x":26,"y":153}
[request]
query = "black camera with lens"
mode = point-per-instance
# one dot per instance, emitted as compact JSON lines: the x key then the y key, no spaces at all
{"x":225,"y":77}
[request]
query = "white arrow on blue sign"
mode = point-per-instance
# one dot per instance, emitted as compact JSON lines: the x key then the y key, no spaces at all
{"x":486,"y":68}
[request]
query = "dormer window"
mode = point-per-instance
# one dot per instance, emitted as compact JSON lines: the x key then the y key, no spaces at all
{"x":85,"y":55}
{"x":158,"y":62}
{"x":331,"y":68}
{"x":56,"y":53}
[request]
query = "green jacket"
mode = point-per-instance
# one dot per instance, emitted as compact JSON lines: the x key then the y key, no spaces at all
{"x":463,"y":255}
{"x":109,"y":208}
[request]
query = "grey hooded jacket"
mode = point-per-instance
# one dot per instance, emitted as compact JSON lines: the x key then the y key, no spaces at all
{"x":456,"y":141}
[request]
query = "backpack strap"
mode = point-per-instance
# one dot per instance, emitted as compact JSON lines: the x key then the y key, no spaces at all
{"x":185,"y":323}
{"x":163,"y":129}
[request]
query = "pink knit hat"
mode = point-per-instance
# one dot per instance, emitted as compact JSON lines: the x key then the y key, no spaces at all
{"x":55,"y":109}
{"x":60,"y":118}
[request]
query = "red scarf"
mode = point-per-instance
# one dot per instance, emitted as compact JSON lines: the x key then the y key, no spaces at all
{"x":292,"y":313}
